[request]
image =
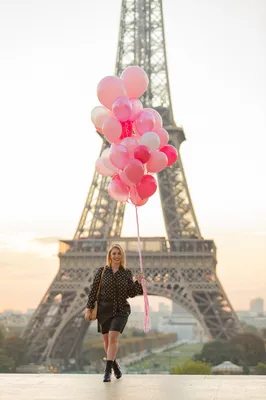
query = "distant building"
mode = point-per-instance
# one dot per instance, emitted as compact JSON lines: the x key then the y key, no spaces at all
{"x":164,"y":308}
{"x":257,"y":306}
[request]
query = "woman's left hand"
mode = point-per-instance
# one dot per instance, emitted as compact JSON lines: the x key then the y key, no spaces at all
{"x":140,"y":276}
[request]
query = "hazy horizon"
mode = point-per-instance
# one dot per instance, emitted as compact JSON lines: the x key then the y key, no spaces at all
{"x":52,"y":56}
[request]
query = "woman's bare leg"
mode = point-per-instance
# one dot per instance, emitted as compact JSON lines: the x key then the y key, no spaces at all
{"x":112,"y":345}
{"x":105,"y":342}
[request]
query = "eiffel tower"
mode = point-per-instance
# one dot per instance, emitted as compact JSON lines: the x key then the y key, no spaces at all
{"x":180,"y":267}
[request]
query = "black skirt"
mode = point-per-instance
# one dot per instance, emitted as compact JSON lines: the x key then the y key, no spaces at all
{"x":116,"y":323}
{"x":109,"y":322}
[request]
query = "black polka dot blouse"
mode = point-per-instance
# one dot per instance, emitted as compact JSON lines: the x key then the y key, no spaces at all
{"x":116,"y":288}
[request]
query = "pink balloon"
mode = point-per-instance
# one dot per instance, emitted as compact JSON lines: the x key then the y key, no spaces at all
{"x":142,"y":153}
{"x":157,"y":117}
{"x":124,"y":179}
{"x":119,"y":156}
{"x":151,"y":140}
{"x":157,"y":162}
{"x":171,"y":154}
{"x":118,"y":190}
{"x":135,"y":199}
{"x":135,"y":80}
{"x":134,"y":171}
{"x":136,"y":109}
{"x":98,"y":116}
{"x":145,"y":122}
{"x":130,"y":143}
{"x":112,"y":130}
{"x":102,"y":169}
{"x":163,"y":136}
{"x":122,"y":108}
{"x":146,"y":187}
{"x":105,"y":156}
{"x":108,"y":89}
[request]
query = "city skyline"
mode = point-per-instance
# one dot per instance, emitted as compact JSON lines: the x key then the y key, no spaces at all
{"x":52,"y":58}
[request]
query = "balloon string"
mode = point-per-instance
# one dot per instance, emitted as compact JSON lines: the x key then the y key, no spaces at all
{"x":143,"y":282}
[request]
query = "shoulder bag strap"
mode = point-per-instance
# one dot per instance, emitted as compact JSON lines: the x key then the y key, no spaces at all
{"x":99,"y":287}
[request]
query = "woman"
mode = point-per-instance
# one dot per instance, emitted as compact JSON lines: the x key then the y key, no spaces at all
{"x":117,"y":286}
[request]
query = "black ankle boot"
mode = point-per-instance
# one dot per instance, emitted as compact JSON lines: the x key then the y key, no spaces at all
{"x":108,"y":371}
{"x":117,"y":370}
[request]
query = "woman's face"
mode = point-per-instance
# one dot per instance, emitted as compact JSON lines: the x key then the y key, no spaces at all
{"x":116,"y":256}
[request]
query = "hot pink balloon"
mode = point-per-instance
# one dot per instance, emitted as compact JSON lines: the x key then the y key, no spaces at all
{"x":102,"y":169}
{"x":171,"y":154}
{"x":130,"y":143}
{"x":136,"y":109}
{"x":119,"y":156}
{"x":157,"y":162}
{"x":112,"y":130}
{"x":163,"y":136}
{"x":145,"y":122}
{"x":108,"y":89}
{"x":157,"y":117}
{"x":98,"y":116}
{"x":146,"y":187}
{"x":122,"y":108}
{"x":134,"y":171}
{"x":118,"y":190}
{"x":142,"y":153}
{"x":135,"y":80}
{"x":127,"y":129}
{"x":135,"y":199}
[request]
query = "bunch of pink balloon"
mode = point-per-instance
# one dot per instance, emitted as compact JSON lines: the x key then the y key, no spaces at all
{"x":139,"y":143}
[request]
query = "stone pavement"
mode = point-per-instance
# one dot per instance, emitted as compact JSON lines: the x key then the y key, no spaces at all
{"x":131,"y":387}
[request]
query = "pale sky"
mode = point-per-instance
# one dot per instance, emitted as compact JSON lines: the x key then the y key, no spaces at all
{"x":53,"y":53}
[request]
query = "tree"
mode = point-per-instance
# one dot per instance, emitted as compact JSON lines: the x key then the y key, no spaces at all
{"x":261,"y":369}
{"x":252,"y":346}
{"x":7,"y":365}
{"x":2,"y":337}
{"x":219,"y":351}
{"x":192,"y":368}
{"x":15,"y":348}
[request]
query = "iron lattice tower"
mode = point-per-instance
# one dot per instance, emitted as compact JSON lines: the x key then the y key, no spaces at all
{"x":181,"y":267}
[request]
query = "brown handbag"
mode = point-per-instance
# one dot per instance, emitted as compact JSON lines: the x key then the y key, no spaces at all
{"x":95,"y":309}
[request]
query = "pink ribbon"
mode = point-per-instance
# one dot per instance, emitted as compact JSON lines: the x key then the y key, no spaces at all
{"x":143,"y":282}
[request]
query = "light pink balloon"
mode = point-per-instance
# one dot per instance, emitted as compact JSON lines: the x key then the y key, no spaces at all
{"x":136,"y":109}
{"x":146,"y":187}
{"x":157,"y":117}
{"x":151,"y":140}
{"x":119,"y":156}
{"x":102,"y":169}
{"x":108,"y":89}
{"x":112,"y":129}
{"x":145,"y":122}
{"x":135,"y":199}
{"x":124,"y":179}
{"x":118,"y":190}
{"x":122,"y":108}
{"x":98,"y":116}
{"x":105,"y":156}
{"x":135,"y":80}
{"x":134,"y":171}
{"x":163,"y":136}
{"x":130,"y":143}
{"x":157,"y":162}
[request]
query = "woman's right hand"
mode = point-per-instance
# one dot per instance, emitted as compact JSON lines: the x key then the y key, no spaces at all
{"x":87,"y":314}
